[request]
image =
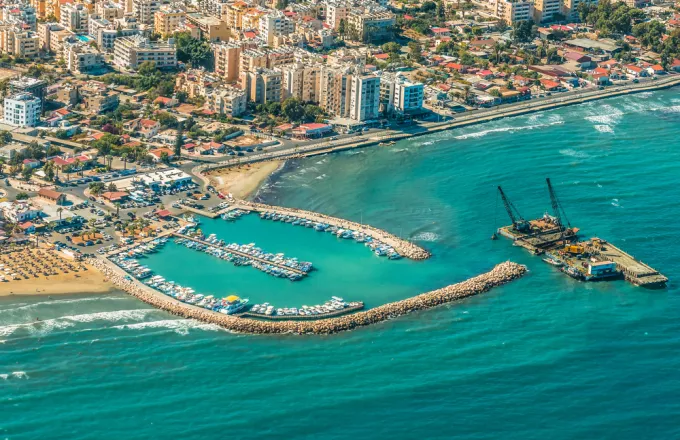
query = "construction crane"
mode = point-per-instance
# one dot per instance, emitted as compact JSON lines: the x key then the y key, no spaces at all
{"x":558,"y":211}
{"x":518,"y":221}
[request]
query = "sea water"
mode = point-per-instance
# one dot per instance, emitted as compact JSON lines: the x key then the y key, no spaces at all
{"x":542,"y":357}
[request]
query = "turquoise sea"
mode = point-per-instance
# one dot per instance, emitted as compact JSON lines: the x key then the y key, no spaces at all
{"x":542,"y":357}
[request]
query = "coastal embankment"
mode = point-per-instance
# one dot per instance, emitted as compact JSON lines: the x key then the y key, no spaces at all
{"x":241,"y":181}
{"x":459,"y":121}
{"x":501,"y":274}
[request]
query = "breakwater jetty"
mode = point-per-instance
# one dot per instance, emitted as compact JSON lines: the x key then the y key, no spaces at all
{"x":404,"y":247}
{"x":501,"y":274}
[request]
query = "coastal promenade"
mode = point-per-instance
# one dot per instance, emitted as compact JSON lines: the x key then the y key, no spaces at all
{"x":501,"y":274}
{"x":464,"y":120}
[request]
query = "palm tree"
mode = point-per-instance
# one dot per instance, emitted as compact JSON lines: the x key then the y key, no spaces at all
{"x":77,"y":167}
{"x":117,"y":209}
{"x":109,"y":161}
{"x":59,"y":211}
{"x":124,"y":156}
{"x":497,"y":50}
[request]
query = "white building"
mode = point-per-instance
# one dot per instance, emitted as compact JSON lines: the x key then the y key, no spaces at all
{"x":144,"y":10}
{"x":365,"y":98}
{"x":275,"y":24}
{"x":408,"y":96}
{"x":22,"y":110}
{"x":130,"y":52}
{"x":74,"y":17}
{"x":18,"y":212}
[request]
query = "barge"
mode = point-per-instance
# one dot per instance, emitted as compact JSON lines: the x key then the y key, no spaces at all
{"x":593,"y":259}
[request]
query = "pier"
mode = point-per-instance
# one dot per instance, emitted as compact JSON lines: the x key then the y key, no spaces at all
{"x":240,"y":254}
{"x":499,"y":275}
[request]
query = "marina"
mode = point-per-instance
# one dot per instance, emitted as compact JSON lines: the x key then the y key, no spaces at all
{"x":501,"y":274}
{"x":241,"y":255}
{"x":593,"y":259}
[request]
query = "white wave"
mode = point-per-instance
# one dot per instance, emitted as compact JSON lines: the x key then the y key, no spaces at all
{"x":599,"y":186}
{"x":398,"y":150}
{"x":421,"y":144}
{"x":483,"y":133}
{"x":606,"y":115}
{"x":603,"y":128}
{"x":426,"y":236}
{"x":671,"y":109}
{"x":573,"y":153}
{"x":59,"y":302}
{"x":180,"y":326}
{"x":615,"y":202}
{"x":48,"y":325}
{"x":321,"y":177}
{"x":4,"y":376}
{"x":20,"y":374}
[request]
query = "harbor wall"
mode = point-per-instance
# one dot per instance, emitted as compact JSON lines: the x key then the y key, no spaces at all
{"x":501,"y":274}
{"x":404,"y":247}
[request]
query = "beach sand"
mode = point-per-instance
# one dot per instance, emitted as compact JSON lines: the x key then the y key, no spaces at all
{"x":90,"y":281}
{"x":243,"y":180}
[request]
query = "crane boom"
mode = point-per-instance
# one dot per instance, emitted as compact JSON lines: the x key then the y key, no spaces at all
{"x":517,"y":220}
{"x":558,"y":211}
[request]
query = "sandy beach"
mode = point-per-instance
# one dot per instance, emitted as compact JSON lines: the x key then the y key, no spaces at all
{"x":42,"y":272}
{"x":241,"y":181}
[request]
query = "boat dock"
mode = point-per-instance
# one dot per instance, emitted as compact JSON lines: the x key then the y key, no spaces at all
{"x":333,"y":314}
{"x":633,"y":270}
{"x":241,"y":254}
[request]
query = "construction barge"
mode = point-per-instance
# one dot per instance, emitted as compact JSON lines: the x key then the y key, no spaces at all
{"x":592,"y":259}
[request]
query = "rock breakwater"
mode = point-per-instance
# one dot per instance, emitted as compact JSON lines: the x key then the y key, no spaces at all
{"x":499,"y":275}
{"x":404,"y":247}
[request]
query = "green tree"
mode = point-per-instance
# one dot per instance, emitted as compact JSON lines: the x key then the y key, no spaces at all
{"x":179,"y":140}
{"x":112,"y":187}
{"x":96,"y":188}
{"x":524,"y":31}
{"x":124,"y":156}
{"x":21,"y":196}
{"x":293,"y":109}
{"x":191,"y":50}
{"x":165,"y":158}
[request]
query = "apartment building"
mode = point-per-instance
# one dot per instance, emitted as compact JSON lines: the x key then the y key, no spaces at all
{"x":33,"y":86}
{"x":364,"y":97}
{"x":81,"y":58}
{"x":234,"y":14}
{"x":214,"y":8}
{"x":262,"y":85}
{"x":145,"y":10}
{"x":109,"y":10}
{"x":105,"y":32}
{"x":301,"y":81}
{"x":544,"y":10}
{"x":21,"y":44}
{"x":168,"y":20}
{"x":40,"y":7}
{"x":512,"y":11}
{"x":227,"y":58}
{"x":211,"y":28}
{"x":226,"y":100}
{"x":334,"y":90}
{"x":20,"y":14}
{"x":130,"y":52}
{"x":335,"y":13}
{"x":371,"y":22}
{"x":22,"y":110}
{"x":74,"y":17}
{"x":273,"y":25}
{"x":96,"y":98}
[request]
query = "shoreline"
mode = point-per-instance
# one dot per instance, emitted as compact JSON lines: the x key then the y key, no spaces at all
{"x":465,"y":120}
{"x":244,"y":180}
{"x":501,"y":274}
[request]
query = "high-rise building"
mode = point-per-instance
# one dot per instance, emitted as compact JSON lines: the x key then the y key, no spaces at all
{"x":262,"y":85}
{"x":74,"y":17}
{"x":512,"y":11}
{"x":364,"y":97}
{"x":21,"y":110}
{"x":144,"y":10}
{"x":167,"y":20}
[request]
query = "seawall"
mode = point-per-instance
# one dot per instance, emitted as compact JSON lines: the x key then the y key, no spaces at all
{"x":501,"y":274}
